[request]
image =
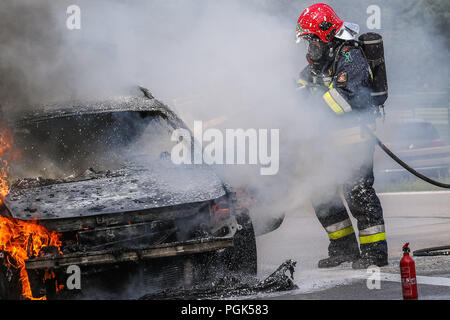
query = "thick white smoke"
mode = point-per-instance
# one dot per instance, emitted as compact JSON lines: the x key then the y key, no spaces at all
{"x":232,"y":61}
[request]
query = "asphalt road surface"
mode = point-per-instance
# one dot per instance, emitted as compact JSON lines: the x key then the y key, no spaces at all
{"x":420,"y":218}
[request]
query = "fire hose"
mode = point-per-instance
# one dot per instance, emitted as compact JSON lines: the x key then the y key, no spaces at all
{"x":433,"y":251}
{"x":403,"y":164}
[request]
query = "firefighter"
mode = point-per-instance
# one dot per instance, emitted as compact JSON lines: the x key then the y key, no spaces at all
{"x":339,"y":75}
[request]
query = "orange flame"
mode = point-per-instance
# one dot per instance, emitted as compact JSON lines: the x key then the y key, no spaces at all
{"x":20,"y":240}
{"x":6,"y":141}
{"x":50,"y":275}
{"x":244,"y":200}
{"x":4,"y":188}
{"x":220,"y":208}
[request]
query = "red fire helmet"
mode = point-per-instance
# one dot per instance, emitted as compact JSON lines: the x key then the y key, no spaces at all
{"x":319,"y":19}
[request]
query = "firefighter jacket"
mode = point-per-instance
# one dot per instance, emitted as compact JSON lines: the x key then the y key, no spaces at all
{"x":344,"y":90}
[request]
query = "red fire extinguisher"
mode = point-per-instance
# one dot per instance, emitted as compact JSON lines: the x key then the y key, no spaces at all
{"x":408,"y":274}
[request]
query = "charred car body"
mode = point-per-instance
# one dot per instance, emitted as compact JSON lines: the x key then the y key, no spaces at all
{"x":100,"y":175}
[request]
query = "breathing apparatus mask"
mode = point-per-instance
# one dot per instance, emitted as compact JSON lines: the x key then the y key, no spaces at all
{"x":320,"y":54}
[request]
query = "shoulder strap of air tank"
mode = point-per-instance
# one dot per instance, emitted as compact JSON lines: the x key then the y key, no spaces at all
{"x":336,"y":59}
{"x":360,"y":47}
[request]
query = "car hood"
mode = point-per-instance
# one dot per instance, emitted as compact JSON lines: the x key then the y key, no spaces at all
{"x":112,"y":192}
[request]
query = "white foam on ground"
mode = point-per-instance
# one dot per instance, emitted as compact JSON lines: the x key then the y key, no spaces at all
{"x":433,"y":281}
{"x":314,"y":280}
{"x":412,"y":193}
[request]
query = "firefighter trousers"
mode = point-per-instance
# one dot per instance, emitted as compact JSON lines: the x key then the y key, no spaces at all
{"x":364,"y":204}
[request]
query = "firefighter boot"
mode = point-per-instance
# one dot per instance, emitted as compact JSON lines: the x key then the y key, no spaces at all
{"x":341,"y":250}
{"x":372,"y":254}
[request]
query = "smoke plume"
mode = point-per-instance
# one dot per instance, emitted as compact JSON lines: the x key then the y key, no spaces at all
{"x":232,"y":63}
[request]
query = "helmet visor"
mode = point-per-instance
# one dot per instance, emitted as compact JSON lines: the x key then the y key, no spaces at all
{"x":348,"y":31}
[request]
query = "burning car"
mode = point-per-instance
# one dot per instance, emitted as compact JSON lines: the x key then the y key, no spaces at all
{"x":93,"y":189}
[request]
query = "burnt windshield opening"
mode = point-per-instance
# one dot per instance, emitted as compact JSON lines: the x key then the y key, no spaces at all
{"x":62,"y":147}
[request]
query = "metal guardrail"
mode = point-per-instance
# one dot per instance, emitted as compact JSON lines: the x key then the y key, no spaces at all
{"x":425,"y":152}
{"x":433,"y":115}
{"x":416,"y":99}
{"x":433,"y":107}
{"x":420,"y":159}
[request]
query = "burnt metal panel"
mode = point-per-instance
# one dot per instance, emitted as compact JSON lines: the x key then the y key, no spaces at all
{"x":129,"y":235}
{"x":108,"y":256}
{"x":133,"y":190}
{"x":75,"y":108}
{"x":121,"y":218}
